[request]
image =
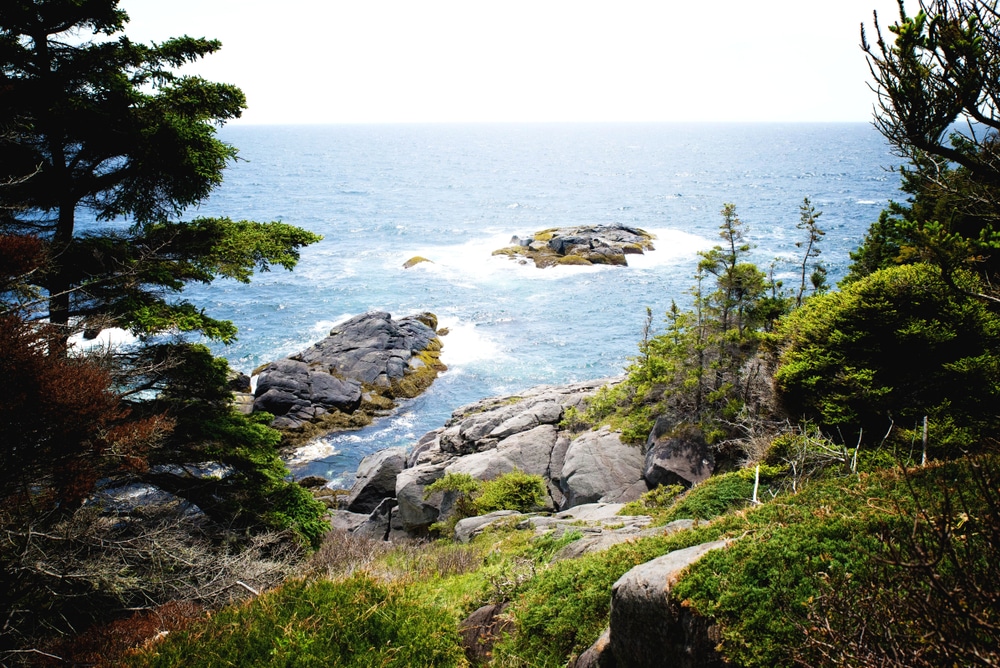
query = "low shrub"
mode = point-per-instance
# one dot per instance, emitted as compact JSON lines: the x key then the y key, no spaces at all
{"x":723,"y":493}
{"x":805,"y":561}
{"x":353,"y":622}
{"x":653,"y":502}
{"x":515,"y":490}
{"x":565,"y":607}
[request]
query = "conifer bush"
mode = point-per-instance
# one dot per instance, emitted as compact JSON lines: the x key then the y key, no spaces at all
{"x":891,"y":348}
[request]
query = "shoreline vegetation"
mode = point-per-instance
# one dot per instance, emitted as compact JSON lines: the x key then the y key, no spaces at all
{"x":789,"y":473}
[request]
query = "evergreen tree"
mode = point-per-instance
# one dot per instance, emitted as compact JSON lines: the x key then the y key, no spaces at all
{"x":94,"y":122}
{"x":938,"y":86}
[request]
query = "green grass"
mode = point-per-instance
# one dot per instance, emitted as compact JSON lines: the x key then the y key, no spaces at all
{"x":353,"y":622}
{"x":763,"y":591}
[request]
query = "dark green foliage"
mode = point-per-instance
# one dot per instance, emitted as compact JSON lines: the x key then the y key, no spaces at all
{"x":704,"y":368}
{"x":254,"y":494}
{"x":354,"y":622}
{"x":92,"y":121}
{"x":931,"y":598}
{"x":654,"y":501}
{"x":725,"y":492}
{"x":515,"y":490}
{"x":894,"y":346}
{"x":837,"y":533}
{"x":127,"y":274}
{"x":937,"y":82}
{"x":565,"y":608}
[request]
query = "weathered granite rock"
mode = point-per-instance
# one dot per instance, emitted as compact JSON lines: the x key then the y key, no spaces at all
{"x":649,"y":628}
{"x":485,"y":440}
{"x":631,"y":530}
{"x":529,"y":451}
{"x":414,"y":261}
{"x":415,"y":512}
{"x":468,"y":528}
{"x":370,"y":355}
{"x":481,"y":630}
{"x":600,"y":524}
{"x":312,"y":481}
{"x":677,"y":456}
{"x":295,"y":393}
{"x":379,"y":522}
{"x":427,"y":450}
{"x":376,"y":479}
{"x":343,"y":520}
{"x":599,"y":467}
{"x":597,"y":244}
{"x":598,"y":655}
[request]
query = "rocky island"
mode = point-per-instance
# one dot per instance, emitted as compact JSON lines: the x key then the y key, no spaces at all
{"x":350,"y":376}
{"x":581,"y":245}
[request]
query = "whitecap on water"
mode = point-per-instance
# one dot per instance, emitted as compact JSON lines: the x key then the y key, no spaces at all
{"x":320,"y":448}
{"x":466,"y":344}
{"x":672,"y":246}
{"x":113,"y":337}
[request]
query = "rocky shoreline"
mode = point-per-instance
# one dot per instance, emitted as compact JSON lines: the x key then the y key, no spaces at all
{"x":529,"y":432}
{"x":590,"y":475}
{"x":355,"y":373}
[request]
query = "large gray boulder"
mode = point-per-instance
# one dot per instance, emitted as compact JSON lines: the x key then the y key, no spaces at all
{"x":294,"y":392}
{"x":485,"y":439}
{"x":599,"y":467}
{"x":651,"y":629}
{"x":677,"y":455}
{"x":415,"y":512}
{"x":529,"y":451}
{"x":598,"y":655}
{"x":373,"y":348}
{"x":376,"y":479}
{"x":369,"y":353}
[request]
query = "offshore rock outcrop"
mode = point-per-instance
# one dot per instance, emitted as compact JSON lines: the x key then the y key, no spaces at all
{"x":358,"y":370}
{"x":581,"y":245}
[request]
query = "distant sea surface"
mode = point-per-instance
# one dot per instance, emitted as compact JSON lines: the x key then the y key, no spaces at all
{"x":454,"y":193}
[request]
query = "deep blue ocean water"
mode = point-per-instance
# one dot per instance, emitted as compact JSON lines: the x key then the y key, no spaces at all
{"x":454,"y":193}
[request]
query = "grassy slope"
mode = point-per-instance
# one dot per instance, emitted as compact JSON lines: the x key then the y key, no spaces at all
{"x":762,"y":590}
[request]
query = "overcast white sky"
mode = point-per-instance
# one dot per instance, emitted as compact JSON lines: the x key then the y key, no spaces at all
{"x":378,"y":61}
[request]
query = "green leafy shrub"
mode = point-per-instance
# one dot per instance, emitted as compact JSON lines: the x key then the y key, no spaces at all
{"x":565,"y":607}
{"x":896,"y":345}
{"x":723,"y":493}
{"x":657,"y":499}
{"x":773,"y":584}
{"x":515,"y":490}
{"x":358,"y":621}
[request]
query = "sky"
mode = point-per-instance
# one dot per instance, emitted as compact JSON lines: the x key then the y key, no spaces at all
{"x":418,"y":61}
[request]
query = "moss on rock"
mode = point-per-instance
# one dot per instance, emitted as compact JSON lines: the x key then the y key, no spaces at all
{"x":414,"y":261}
{"x":581,"y":245}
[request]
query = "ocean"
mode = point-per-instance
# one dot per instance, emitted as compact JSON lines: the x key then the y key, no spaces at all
{"x":381,"y":194}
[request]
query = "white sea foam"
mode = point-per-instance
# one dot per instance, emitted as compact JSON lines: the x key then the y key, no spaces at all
{"x":466,"y":344}
{"x":320,"y":448}
{"x":107,"y":338}
{"x":672,"y":246}
{"x":473,"y":262}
